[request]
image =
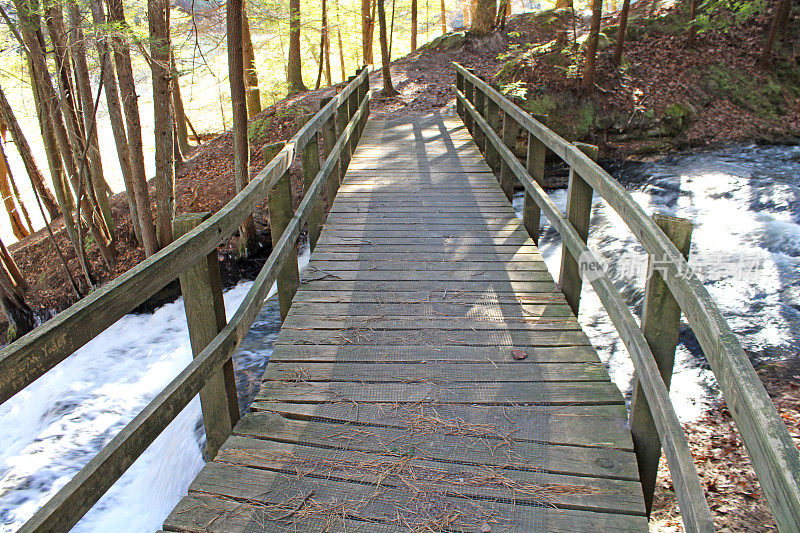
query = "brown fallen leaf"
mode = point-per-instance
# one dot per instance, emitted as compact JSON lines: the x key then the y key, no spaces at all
{"x":519,"y":354}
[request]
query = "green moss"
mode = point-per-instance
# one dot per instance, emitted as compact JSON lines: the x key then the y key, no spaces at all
{"x":676,"y":119}
{"x":11,"y":334}
{"x":584,"y":122}
{"x":761,"y":96}
{"x":257,"y":129}
{"x":542,"y":105}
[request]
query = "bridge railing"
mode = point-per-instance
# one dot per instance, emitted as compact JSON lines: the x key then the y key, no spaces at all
{"x":774,"y":455}
{"x":193,"y":257}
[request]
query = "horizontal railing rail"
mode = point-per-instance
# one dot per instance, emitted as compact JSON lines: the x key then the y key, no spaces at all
{"x":20,"y":364}
{"x":774,"y":455}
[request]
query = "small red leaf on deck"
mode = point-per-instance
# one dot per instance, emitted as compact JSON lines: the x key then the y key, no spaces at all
{"x":519,"y":354}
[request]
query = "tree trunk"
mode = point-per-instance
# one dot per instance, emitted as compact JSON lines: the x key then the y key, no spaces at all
{"x":413,"y":25}
{"x":591,"y":47}
{"x":296,"y":84}
{"x":17,"y":227}
{"x":563,"y":4}
{"x":130,"y":104}
{"x":623,"y":26}
{"x":484,"y":17}
{"x":181,"y":130}
{"x":24,"y":149}
{"x":13,"y":184}
{"x":339,"y":38}
{"x":766,"y":52}
{"x":158,"y":16}
{"x":386,"y":60}
{"x":367,"y":30}
{"x":115,"y":114}
{"x":19,"y":315}
{"x":250,"y":72}
{"x":241,"y":150}
{"x":99,"y":187}
{"x":322,"y":38}
{"x":443,"y":17}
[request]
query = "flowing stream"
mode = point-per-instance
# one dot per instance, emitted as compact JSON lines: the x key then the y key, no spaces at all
{"x":744,"y":202}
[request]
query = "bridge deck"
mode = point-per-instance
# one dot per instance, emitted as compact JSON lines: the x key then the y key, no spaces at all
{"x":429,"y":376}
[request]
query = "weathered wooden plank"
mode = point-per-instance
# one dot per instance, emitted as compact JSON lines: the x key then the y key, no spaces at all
{"x":430,"y":265}
{"x":602,"y":426}
{"x":410,"y":285}
{"x":414,"y":353}
{"x":495,"y":324}
{"x":430,"y":275}
{"x":561,"y":393}
{"x":480,"y":311}
{"x":246,"y":483}
{"x":215,"y":514}
{"x":435,"y":372}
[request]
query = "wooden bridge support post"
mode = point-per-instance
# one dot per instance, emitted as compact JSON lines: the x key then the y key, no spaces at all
{"x":316,"y":214}
{"x":477,"y":133}
{"x":510,"y":133}
{"x":579,"y":210}
{"x":460,"y":87}
{"x":352,"y":109}
{"x":534,"y":163}
{"x":342,"y":119}
{"x":279,"y":201}
{"x":201,"y":287}
{"x":493,"y":118}
{"x":661,"y":322}
{"x":328,"y":141}
{"x":469,"y":92}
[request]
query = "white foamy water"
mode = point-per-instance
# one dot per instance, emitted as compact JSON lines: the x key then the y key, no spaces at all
{"x":57,"y":424}
{"x":745,"y":206}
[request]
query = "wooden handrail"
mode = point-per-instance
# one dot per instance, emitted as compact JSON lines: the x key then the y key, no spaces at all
{"x":31,"y":356}
{"x":67,"y":507}
{"x":688,"y":489}
{"x":774,"y":455}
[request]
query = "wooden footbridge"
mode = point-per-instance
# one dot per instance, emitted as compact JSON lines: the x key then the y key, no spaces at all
{"x":430,"y":375}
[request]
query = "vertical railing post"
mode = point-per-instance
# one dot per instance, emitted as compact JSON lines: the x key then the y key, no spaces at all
{"x":493,"y":118}
{"x":342,"y":119}
{"x":279,"y":201}
{"x":661,"y":322}
{"x":480,"y":105}
{"x":363,"y":89}
{"x":352,"y":106}
{"x":510,"y":134}
{"x":579,"y":210}
{"x":534,"y":163}
{"x":328,"y":141}
{"x":460,"y":87}
{"x":469,"y":93}
{"x":201,"y":287}
{"x":316,"y":214}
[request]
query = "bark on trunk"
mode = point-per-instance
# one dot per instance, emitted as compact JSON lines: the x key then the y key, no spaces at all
{"x":591,"y":46}
{"x":17,"y":227}
{"x":295,"y":80}
{"x":241,"y":150}
{"x":766,"y":52}
{"x":115,"y":114}
{"x":443,"y":17}
{"x":484,"y":17}
{"x":322,"y":38}
{"x":181,"y":130}
{"x":24,"y":149}
{"x":19,"y":315}
{"x":339,"y":38}
{"x":623,"y":26}
{"x":99,"y":188}
{"x":386,"y":61}
{"x":413,"y":25}
{"x":130,"y":104}
{"x":158,"y":17}
{"x":367,"y":30}
{"x":250,"y":72}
